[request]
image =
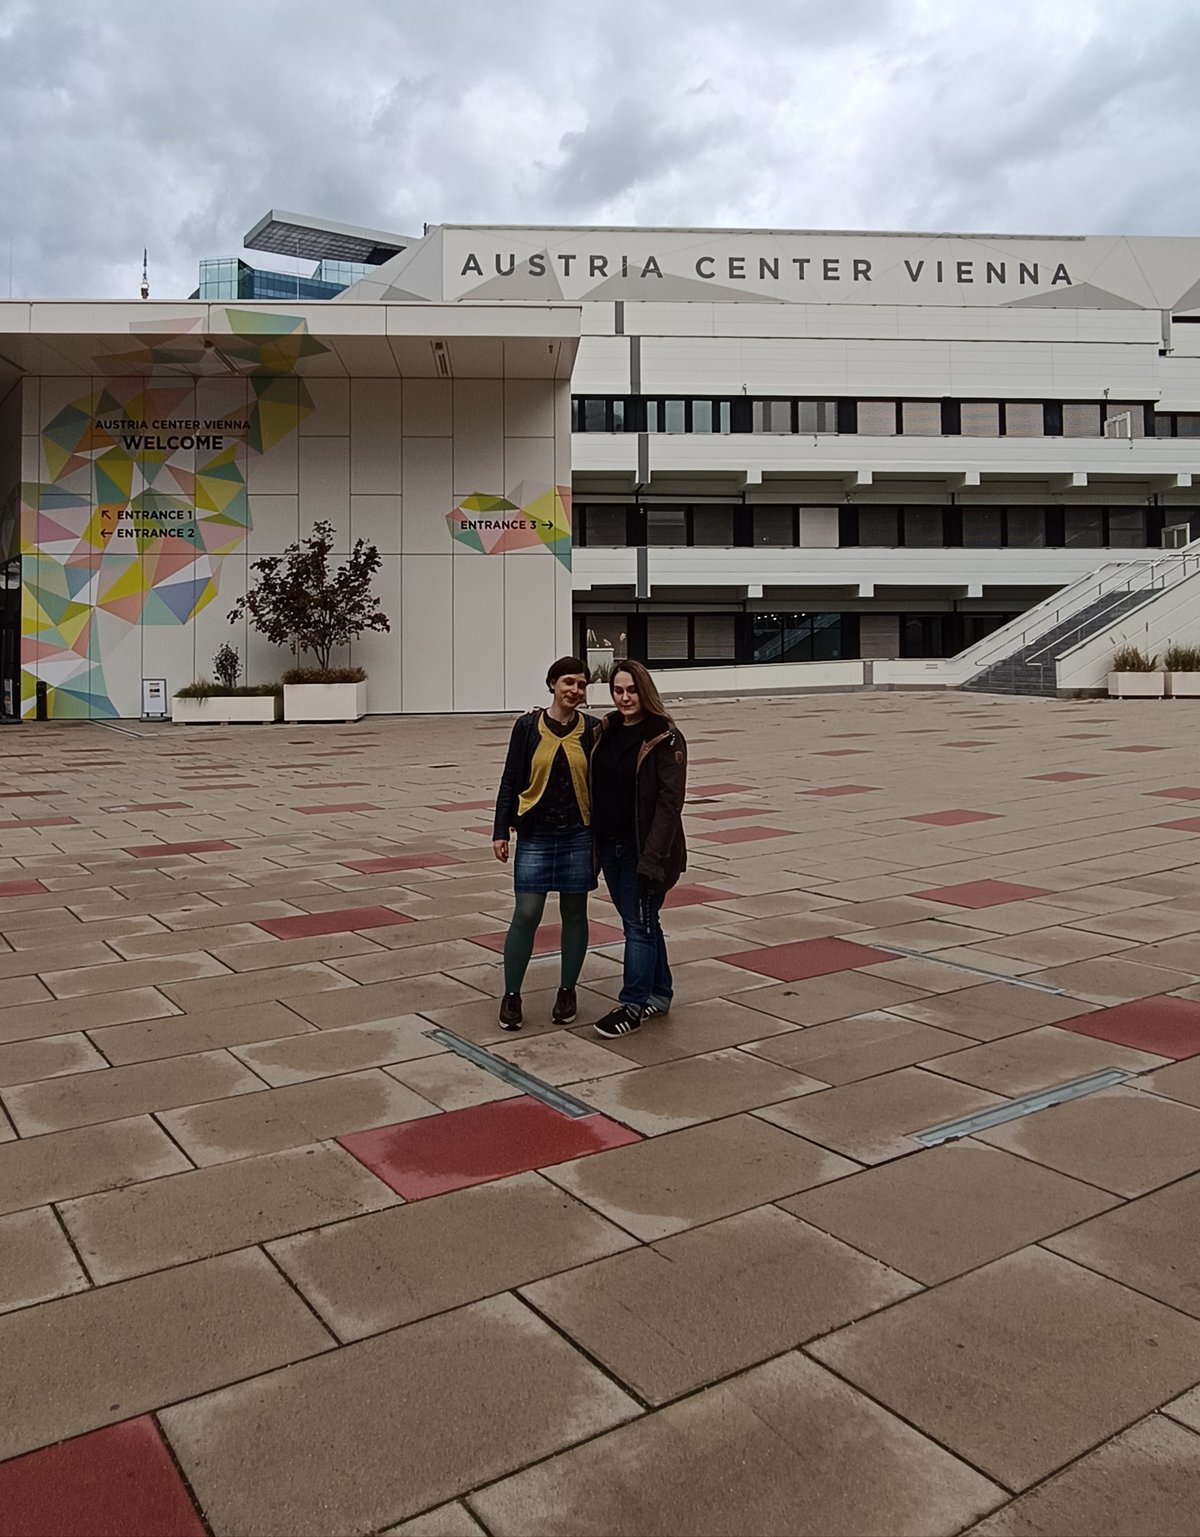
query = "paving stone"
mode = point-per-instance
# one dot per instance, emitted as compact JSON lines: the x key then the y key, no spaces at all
{"x":812,"y":1457}
{"x":86,"y":1098}
{"x":861,"y":1047}
{"x":184,"y":1034}
{"x":1143,"y":1483}
{"x":451,"y":1082}
{"x":559,"y":1057}
{"x":699,"y":1306}
{"x":692,"y":1089}
{"x":817,"y":1000}
{"x":295,"y":1116}
{"x":104,"y":1355}
{"x":320,"y":1053}
{"x":1179,"y":1081}
{"x":1038,"y":1059}
{"x":1186,"y":1409}
{"x":692,"y":1028}
{"x":231,"y":991}
{"x":374,"y":1273}
{"x":120,"y":1480}
{"x":1121,"y":1140}
{"x":38,"y":1170}
{"x":333,"y":1444}
{"x":50,"y":1057}
{"x":36,"y":1262}
{"x":1079,"y":1357}
{"x":453,"y":1520}
{"x":208,"y":1211}
{"x":874,"y":1120}
{"x":948,"y":1209}
{"x":119,"y":976}
{"x":1113,"y":979}
{"x":669,"y":1183}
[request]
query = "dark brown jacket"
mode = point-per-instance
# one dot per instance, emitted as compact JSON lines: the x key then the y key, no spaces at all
{"x":661,"y":786}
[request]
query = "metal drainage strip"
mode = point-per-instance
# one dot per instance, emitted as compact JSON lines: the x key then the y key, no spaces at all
{"x":976,"y":971}
{"x":984,"y":1120}
{"x":499,"y":1068}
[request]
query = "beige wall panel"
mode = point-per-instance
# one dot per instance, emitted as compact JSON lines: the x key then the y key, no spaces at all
{"x":325,"y":486}
{"x":529,"y":461}
{"x":427,"y":488}
{"x":377,"y":520}
{"x":529,"y":408}
{"x":479,"y":438}
{"x":479,"y":631}
{"x":278,"y":470}
{"x":379,"y":652}
{"x":427,"y":408}
{"x":31,"y":406}
{"x":531,"y":637}
{"x":330,"y":416}
{"x":375,"y":428}
{"x":427,"y":633}
{"x":275,"y":523}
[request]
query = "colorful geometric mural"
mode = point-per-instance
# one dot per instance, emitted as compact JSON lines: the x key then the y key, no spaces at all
{"x":142,"y":494}
{"x":496,"y":525}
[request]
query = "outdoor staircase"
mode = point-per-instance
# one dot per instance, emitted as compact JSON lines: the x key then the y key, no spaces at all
{"x":1031,"y":669}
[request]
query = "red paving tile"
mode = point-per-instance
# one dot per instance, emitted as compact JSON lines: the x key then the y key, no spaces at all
{"x":21,"y":888}
{"x":806,"y":958}
{"x":1168,"y":1027}
{"x":745,"y":834}
{"x":982,"y":893}
{"x":464,"y":806}
{"x":201,"y":846}
{"x":695,"y":896}
{"x":20,"y":795}
{"x":717,"y":789}
{"x":1083,"y":736}
{"x":968,"y":744}
{"x":841,"y":752}
{"x":954,"y":818}
{"x":328,"y":811}
{"x":724,"y":816}
{"x":1184,"y":825}
{"x":345,"y":920}
{"x":337,"y":784}
{"x":400,"y":862}
{"x":1177,"y":793}
{"x":152,"y":806}
{"x":1139,"y":747}
{"x":38,"y":822}
{"x":478,"y":1144}
{"x":195,"y":789}
{"x":842,"y":790}
{"x":1064,"y":778}
{"x":707,"y":762}
{"x":549,"y":937}
{"x":117,"y":1482}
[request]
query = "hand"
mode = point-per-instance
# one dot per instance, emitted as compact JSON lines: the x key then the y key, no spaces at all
{"x":500,"y":849}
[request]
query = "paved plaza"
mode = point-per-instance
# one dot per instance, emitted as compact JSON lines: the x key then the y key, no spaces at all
{"x":283,"y":1252}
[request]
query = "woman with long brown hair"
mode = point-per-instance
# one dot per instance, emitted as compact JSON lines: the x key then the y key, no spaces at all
{"x":639,"y":780}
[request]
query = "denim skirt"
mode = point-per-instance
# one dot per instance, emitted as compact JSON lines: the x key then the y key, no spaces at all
{"x":555,"y":862}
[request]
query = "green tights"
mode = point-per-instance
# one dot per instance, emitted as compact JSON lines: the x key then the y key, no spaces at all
{"x":518,"y":947}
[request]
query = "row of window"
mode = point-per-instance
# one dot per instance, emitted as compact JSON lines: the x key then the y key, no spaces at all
{"x":622,"y":525}
{"x":880,"y":418}
{"x":679,"y":640}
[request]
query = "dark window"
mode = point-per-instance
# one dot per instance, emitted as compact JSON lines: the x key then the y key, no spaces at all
{"x":775,"y":526}
{"x":713,"y":637}
{"x":594,"y":415}
{"x":877,"y":527}
{"x":923,"y":528}
{"x":951,"y":418}
{"x":795,"y":637}
{"x":982,"y":528}
{"x":1126,"y":528}
{"x":666,"y":527}
{"x":772,"y":416}
{"x":1025,"y":528}
{"x":600,"y":526}
{"x":1052,"y":419}
{"x":1084,"y":527}
{"x":712,"y":526}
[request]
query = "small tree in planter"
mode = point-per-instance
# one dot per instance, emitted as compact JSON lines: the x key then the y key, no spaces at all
{"x":300,"y":603}
{"x":1134,"y":675}
{"x":226,"y":701}
{"x":1181,"y":666}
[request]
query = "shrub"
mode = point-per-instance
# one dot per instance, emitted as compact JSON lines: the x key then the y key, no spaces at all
{"x":324,"y":675}
{"x":298,"y":602}
{"x":601,"y":673}
{"x":227,"y":664}
{"x":1182,"y":659}
{"x":1132,"y":659}
{"x":203,"y":689}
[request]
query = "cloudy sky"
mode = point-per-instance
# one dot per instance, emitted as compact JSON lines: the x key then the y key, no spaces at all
{"x":175,"y":125}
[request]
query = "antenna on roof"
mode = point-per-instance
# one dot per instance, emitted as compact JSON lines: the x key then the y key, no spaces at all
{"x":145,"y":274}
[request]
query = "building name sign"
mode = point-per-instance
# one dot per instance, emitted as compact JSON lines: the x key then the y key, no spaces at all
{"x":598,"y":266}
{"x":168,"y":435}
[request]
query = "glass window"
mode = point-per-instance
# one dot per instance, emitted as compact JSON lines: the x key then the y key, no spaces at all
{"x":1084,"y":527}
{"x":766,"y":638}
{"x":673,"y":416}
{"x":982,"y":528}
{"x":797,"y":638}
{"x":771,"y":416}
{"x":606,"y":632}
{"x":923,"y":528}
{"x":921,"y":418}
{"x":1127,"y":528}
{"x":1137,"y":416}
{"x":666,"y":526}
{"x":1024,"y":419}
{"x":1027,"y":528}
{"x":712,"y":526}
{"x":775,"y":526}
{"x":604,"y":527}
{"x":667,"y":637}
{"x":594,"y":415}
{"x":877,"y":418}
{"x":826,"y":637}
{"x":714,"y":637}
{"x":618,"y":415}
{"x":652,"y":415}
{"x":980,"y":419}
{"x":702,"y":416}
{"x":877,"y":526}
{"x":1188,"y":425}
{"x":1081,"y":421}
{"x":817,"y":415}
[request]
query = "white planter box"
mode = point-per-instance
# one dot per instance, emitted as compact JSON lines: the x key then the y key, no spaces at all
{"x":227,"y":710}
{"x":1183,"y":685}
{"x":599,"y":697}
{"x":1136,"y":685}
{"x":324,"y":701}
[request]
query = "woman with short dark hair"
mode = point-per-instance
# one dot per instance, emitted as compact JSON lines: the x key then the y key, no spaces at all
{"x":544,"y":794}
{"x":639,"y":781}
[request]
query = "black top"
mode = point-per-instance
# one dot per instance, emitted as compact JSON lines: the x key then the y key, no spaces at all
{"x":557,"y":811}
{"x":614,"y":779}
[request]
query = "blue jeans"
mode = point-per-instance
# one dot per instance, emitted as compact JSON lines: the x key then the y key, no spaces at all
{"x":647,"y":974}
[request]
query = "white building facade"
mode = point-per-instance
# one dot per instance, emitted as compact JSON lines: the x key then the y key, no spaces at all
{"x":708,"y":448}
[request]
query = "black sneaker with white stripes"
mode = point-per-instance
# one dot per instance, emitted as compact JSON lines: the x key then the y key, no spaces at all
{"x":623,"y":1020}
{"x":654,"y":1011}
